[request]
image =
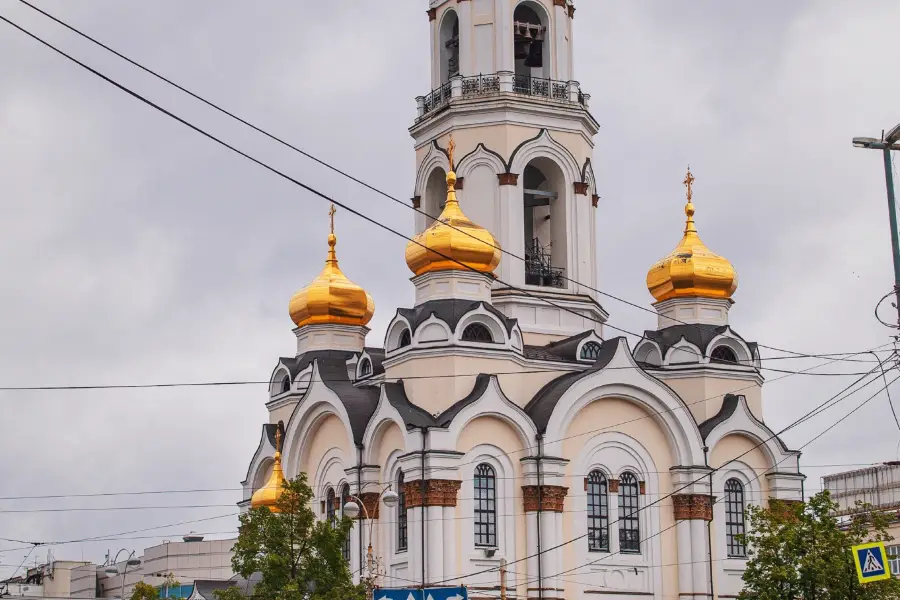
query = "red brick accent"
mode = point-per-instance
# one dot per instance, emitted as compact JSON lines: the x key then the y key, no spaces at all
{"x":581,"y":187}
{"x":693,"y":506}
{"x":438,"y":492}
{"x":595,"y":200}
{"x":459,"y":182}
{"x":508,"y":178}
{"x":417,"y":201}
{"x":613,"y":486}
{"x":552,"y":497}
{"x":432,"y":14}
{"x":572,"y":12}
{"x":559,"y":3}
{"x":370,"y":501}
{"x":642,"y":485}
{"x":784,"y":507}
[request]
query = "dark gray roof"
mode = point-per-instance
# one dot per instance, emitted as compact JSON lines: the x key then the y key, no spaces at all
{"x":698,"y":334}
{"x":729,"y":404}
{"x":359,"y":401}
{"x":565,"y":350}
{"x":417,"y":417}
{"x":450,"y":311}
{"x":296,"y":364}
{"x":540,"y":408}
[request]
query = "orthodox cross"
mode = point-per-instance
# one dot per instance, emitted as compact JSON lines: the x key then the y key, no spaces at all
{"x":451,"y":146}
{"x":331,"y":212}
{"x":689,"y":182}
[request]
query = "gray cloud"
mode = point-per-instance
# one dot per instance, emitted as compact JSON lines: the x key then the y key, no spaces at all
{"x":136,"y":251}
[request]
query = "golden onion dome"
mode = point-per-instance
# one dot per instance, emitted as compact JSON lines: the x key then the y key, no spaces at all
{"x":269,"y":494}
{"x":331,"y":297}
{"x":453,"y":239}
{"x":692,"y":269}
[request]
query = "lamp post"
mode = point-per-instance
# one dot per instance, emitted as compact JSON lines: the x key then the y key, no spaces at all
{"x":351,"y":509}
{"x":113,"y":568}
{"x":887,"y":143}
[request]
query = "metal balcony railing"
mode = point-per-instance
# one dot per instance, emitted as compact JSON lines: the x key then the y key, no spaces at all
{"x":562,"y":92}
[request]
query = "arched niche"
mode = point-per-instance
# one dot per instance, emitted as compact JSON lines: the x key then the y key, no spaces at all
{"x":545,"y":223}
{"x":435,"y":194}
{"x":531,"y":47}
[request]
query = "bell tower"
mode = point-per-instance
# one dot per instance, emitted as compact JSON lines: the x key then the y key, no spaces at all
{"x":502,"y":84}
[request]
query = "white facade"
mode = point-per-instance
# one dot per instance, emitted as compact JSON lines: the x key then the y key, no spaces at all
{"x":513,"y":429}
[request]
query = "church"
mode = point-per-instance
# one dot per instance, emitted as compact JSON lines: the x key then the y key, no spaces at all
{"x":514,"y":429}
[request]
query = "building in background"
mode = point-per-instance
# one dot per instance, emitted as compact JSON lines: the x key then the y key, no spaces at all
{"x":190,"y":560}
{"x":878,"y":486}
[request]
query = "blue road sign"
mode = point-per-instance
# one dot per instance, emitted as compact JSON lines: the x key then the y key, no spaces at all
{"x":871,"y":562}
{"x":437,"y":593}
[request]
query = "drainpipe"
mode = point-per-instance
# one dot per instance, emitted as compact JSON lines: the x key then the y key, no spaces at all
{"x":540,"y":454}
{"x":422,"y":491}
{"x":359,"y":463}
{"x":712,"y":588}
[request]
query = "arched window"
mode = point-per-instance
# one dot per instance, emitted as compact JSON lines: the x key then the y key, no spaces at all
{"x":598,"y":512}
{"x":329,"y":506}
{"x":485,"y":506}
{"x":528,"y":34}
{"x":449,"y":46}
{"x":545,"y":223}
{"x":405,"y":339}
{"x":285,"y":384}
{"x":345,"y":497}
{"x":734,"y":518}
{"x":724,"y":354}
{"x":590,"y":351}
{"x":365,"y":368}
{"x":629,"y":517}
{"x":402,"y":536}
{"x":476,"y":332}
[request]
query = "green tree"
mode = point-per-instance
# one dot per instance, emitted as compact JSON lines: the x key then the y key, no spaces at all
{"x":298,"y":556}
{"x":144,"y":591}
{"x":802,"y":552}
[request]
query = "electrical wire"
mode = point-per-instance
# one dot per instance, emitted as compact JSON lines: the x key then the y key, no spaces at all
{"x":322,"y":163}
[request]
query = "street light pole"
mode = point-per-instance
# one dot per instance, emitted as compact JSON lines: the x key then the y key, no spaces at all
{"x":113,"y":569}
{"x":351,"y":509}
{"x":886,"y":144}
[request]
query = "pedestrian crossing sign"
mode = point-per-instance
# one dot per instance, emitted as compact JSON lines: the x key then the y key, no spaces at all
{"x":871,"y":562}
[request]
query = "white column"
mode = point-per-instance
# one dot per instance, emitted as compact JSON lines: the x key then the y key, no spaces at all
{"x":449,"y":515}
{"x":511,"y":227}
{"x":435,"y":55}
{"x":414,"y":543}
{"x":531,"y":550}
{"x":560,"y":68}
{"x":685,"y":558}
{"x":466,"y":38}
{"x":550,"y":558}
{"x":700,"y":559}
{"x":434,"y":537}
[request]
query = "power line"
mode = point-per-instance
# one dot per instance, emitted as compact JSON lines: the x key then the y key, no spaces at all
{"x":321,"y":162}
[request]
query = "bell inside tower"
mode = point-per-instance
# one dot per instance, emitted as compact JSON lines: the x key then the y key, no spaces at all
{"x":449,"y":48}
{"x":545,"y":224}
{"x":529,"y":33}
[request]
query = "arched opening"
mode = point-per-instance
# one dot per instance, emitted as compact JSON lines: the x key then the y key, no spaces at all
{"x":590,"y":351}
{"x":476,"y":332}
{"x":648,"y":354}
{"x":405,"y":339}
{"x":449,"y":48}
{"x":285,"y":384}
{"x":435,"y":195}
{"x":724,"y":355}
{"x":365,"y":367}
{"x":545,"y":225}
{"x":529,"y":33}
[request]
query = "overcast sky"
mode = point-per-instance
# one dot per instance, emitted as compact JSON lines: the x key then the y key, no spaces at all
{"x":136,"y":251}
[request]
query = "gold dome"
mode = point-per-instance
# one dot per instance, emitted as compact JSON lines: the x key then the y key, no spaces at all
{"x":331,"y":297}
{"x":269,"y":494}
{"x":692,"y":269}
{"x":453,"y":239}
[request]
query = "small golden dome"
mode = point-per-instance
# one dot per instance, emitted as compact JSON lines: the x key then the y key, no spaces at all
{"x":453,"y":239}
{"x":269,"y":494}
{"x":692,"y":269}
{"x":331,"y":297}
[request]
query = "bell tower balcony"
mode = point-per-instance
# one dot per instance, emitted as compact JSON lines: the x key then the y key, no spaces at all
{"x":502,"y":85}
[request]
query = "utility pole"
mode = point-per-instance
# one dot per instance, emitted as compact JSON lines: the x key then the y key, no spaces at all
{"x":886,"y":144}
{"x":502,"y":579}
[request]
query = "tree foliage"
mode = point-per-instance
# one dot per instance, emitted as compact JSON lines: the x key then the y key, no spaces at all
{"x":144,"y":591}
{"x":297,"y":556}
{"x":802,"y":552}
